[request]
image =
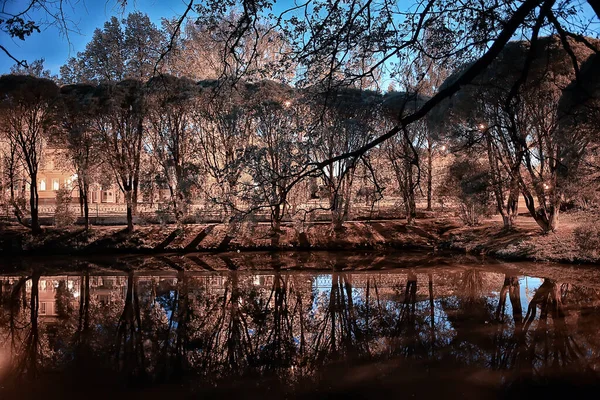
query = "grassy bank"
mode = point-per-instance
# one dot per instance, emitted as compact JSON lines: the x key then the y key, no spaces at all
{"x":525,"y":242}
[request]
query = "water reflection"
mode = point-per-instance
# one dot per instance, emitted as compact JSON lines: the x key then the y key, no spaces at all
{"x":292,"y":329}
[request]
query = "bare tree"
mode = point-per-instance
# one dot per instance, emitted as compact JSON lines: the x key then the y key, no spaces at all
{"x":224,"y":137}
{"x":118,"y":122}
{"x":337,"y":126}
{"x":170,"y":136}
{"x":278,"y":153}
{"x":77,"y":113}
{"x":27,"y":107}
{"x":404,"y":151}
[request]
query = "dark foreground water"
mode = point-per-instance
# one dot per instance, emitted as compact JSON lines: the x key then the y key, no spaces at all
{"x":297,"y":326}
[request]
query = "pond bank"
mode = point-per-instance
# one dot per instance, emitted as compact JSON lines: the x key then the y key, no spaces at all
{"x":525,"y":242}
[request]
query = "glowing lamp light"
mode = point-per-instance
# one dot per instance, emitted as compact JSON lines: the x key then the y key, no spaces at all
{"x":482,"y":126}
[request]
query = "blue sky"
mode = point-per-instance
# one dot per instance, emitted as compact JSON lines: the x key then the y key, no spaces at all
{"x":86,"y":15}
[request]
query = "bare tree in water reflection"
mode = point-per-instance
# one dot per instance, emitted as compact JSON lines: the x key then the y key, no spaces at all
{"x":22,"y":330}
{"x":129,"y":346}
{"x":292,"y":326}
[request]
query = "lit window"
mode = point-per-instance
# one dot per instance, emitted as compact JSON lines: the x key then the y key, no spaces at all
{"x":43,"y":184}
{"x":55,"y":184}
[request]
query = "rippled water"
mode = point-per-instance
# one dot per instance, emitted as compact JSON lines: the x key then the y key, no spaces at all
{"x":308,"y":325}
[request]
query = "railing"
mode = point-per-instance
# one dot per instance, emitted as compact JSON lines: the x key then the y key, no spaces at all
{"x":112,"y":213}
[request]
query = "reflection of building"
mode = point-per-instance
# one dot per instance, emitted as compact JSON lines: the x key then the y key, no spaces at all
{"x":48,"y":293}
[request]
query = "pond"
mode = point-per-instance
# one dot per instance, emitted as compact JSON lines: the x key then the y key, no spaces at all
{"x":297,"y":325}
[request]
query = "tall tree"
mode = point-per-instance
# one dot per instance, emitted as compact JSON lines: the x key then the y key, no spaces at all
{"x":404,"y":150}
{"x":80,"y":141}
{"x":126,"y":49}
{"x":340,"y":123}
{"x":278,"y":153}
{"x":27,"y":106}
{"x":171,"y":136}
{"x":119,"y":124}
{"x":224,"y":138}
{"x":514,"y":104}
{"x":325,"y":34}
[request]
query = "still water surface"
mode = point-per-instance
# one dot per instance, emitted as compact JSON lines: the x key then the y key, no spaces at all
{"x":297,"y":326}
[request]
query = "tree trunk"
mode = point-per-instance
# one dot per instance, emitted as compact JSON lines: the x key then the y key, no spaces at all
{"x":429,"y":172}
{"x":512,"y":205}
{"x":174,"y":201}
{"x":12,"y":191}
{"x":134,"y":197}
{"x":337,"y":212}
{"x":81,"y":200}
{"x":33,"y":340}
{"x":546,"y":217}
{"x":33,"y":203}
{"x":86,"y":208}
{"x":129,"y":201}
{"x":409,"y":203}
{"x":276,"y":217}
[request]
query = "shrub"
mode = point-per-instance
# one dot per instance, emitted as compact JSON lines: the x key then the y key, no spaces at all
{"x":467,"y":181}
{"x":587,"y":238}
{"x":164,"y":216}
{"x":63,"y":216}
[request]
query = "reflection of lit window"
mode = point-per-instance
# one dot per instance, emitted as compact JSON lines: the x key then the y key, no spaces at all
{"x":43,"y":184}
{"x":42,"y":308}
{"x":55,"y":184}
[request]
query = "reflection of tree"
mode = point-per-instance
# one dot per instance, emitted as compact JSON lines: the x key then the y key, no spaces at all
{"x":27,"y":354}
{"x":543,"y":348}
{"x":64,"y":300}
{"x":506,"y":343}
{"x":14,"y":301}
{"x":281,"y":325}
{"x":469,"y":313}
{"x":337,"y":331}
{"x":172,"y":361}
{"x":512,"y":288}
{"x":560,"y":349}
{"x":129,"y":349}
{"x":82,"y":335}
{"x":221,"y":339}
{"x":279,"y":351}
{"x":431,"y":312}
{"x":406,"y":338}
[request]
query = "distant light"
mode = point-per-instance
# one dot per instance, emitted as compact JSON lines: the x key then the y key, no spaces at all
{"x":546,"y":186}
{"x":287,"y":103}
{"x":482,"y":126}
{"x":443,"y":148}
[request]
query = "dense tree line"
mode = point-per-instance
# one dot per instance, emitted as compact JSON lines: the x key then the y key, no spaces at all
{"x":216,"y":117}
{"x":242,"y":149}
